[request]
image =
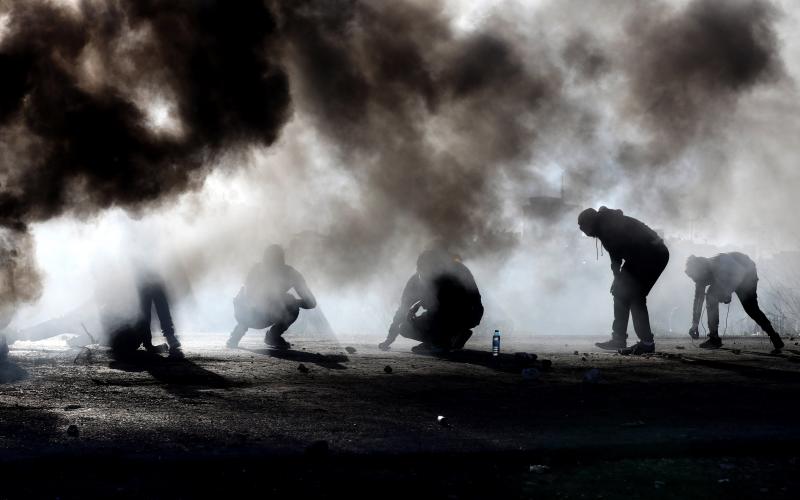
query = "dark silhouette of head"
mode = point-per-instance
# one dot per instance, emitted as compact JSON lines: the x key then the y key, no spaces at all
{"x":432,"y":263}
{"x":587,"y":222}
{"x":697,"y":267}
{"x":274,"y":256}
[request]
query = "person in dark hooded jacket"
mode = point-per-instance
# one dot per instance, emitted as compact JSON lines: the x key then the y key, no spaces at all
{"x":725,"y":274}
{"x":638,"y":257}
{"x":439,"y":307}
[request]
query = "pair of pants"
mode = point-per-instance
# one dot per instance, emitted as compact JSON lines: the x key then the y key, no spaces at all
{"x":630,"y":289}
{"x":746,"y":291}
{"x":154,"y":295}
{"x":439,"y":330}
{"x":278,"y":318}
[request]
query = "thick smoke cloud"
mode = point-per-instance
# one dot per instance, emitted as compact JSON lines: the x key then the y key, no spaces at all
{"x":426,"y":119}
{"x":127,"y":103}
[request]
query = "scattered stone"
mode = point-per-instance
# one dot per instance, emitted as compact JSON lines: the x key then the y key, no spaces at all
{"x":592,"y":376}
{"x":538,"y":469}
{"x":724,"y":480}
{"x":387,"y":369}
{"x":72,"y":407}
{"x":72,"y":431}
{"x":679,"y":347}
{"x":350,"y":350}
{"x":576,"y":353}
{"x":530,"y":373}
{"x":736,"y":351}
{"x":443,"y":421}
{"x":302,"y":368}
{"x":583,"y":358}
{"x":658,"y":484}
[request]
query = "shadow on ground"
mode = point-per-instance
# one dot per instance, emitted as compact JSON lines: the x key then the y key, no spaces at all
{"x":504,"y":362}
{"x":181,"y":377}
{"x":329,"y":361}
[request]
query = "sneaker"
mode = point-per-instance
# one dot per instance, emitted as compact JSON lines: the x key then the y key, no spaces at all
{"x":712,"y":343}
{"x":613,"y":344}
{"x":639,"y":348}
{"x":276,"y":341}
{"x":156,"y":349}
{"x":175,"y":352}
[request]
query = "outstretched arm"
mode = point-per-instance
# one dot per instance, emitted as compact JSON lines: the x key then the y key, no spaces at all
{"x":697,"y":306}
{"x":406,"y":302}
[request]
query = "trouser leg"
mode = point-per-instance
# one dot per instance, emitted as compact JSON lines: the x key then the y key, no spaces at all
{"x":162,"y":310}
{"x":236,"y":335}
{"x":289,"y":316}
{"x":622,"y":310}
{"x":142,"y":327}
{"x":749,"y":300}
{"x":641,"y":318}
{"x":420,"y":329}
{"x":712,"y":309}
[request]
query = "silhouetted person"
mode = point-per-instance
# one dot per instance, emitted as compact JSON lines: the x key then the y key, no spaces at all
{"x":446,"y":291}
{"x":265,"y":302}
{"x":128,"y":336}
{"x":638,"y":257}
{"x":725,"y":274}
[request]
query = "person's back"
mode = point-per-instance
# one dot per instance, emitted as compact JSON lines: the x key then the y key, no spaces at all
{"x":730,"y":270}
{"x":457,"y":294}
{"x":269,"y":284}
{"x":624,"y":236}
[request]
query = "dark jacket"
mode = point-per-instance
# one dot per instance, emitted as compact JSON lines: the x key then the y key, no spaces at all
{"x":625,"y":238}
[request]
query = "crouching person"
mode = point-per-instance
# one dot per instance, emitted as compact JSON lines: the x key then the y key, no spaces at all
{"x":439,"y":307}
{"x":265,"y":301}
{"x":716,"y":279}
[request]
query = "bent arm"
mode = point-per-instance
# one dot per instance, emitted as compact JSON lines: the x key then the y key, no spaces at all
{"x":408,"y":298}
{"x":307,"y":299}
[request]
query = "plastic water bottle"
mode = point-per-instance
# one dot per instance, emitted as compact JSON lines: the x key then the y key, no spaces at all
{"x":496,"y":343}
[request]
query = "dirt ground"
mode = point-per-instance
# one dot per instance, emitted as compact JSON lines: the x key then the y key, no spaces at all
{"x":320,"y":420}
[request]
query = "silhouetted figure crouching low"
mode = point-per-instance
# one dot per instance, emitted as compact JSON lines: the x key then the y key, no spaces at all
{"x":723,"y":275}
{"x":439,"y":307}
{"x":638,"y":257}
{"x":265,"y":301}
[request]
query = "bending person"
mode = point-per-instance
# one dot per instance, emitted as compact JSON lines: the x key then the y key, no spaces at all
{"x":265,"y":301}
{"x":638,"y":257}
{"x":725,"y":274}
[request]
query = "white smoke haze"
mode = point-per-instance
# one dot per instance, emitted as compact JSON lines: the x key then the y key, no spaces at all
{"x":712,"y":158}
